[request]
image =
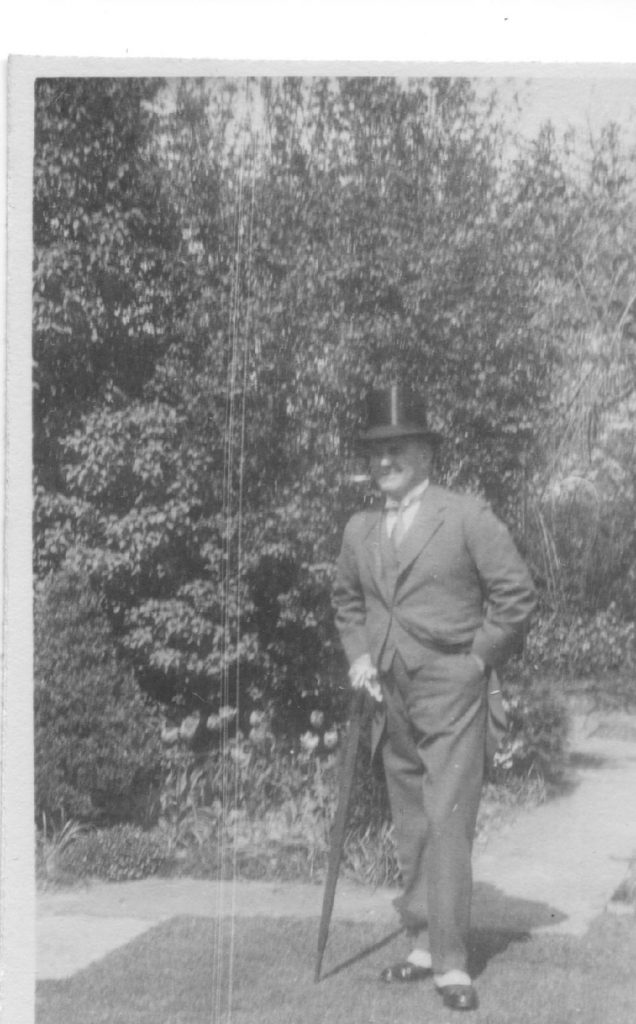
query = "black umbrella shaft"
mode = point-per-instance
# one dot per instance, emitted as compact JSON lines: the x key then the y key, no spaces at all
{"x":340,"y":821}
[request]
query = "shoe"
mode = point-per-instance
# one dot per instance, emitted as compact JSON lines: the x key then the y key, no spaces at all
{"x":405,"y":971}
{"x":459,"y":997}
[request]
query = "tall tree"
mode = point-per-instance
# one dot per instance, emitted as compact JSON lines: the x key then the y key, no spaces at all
{"x":290,"y":242}
{"x":103,"y":235}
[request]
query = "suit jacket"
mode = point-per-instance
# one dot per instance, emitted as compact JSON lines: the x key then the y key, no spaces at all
{"x":459,"y":584}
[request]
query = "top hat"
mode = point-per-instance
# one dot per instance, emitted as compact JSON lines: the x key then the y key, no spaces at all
{"x":396,"y":412}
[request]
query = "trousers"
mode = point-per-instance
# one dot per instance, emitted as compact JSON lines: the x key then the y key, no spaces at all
{"x":433,"y":754}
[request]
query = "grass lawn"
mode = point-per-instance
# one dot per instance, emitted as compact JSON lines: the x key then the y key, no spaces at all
{"x":180,"y":973}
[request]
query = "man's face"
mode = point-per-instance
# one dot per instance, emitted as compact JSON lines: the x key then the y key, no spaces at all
{"x":399,"y":465}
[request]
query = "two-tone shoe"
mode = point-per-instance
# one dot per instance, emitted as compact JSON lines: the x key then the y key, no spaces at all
{"x":459,"y":997}
{"x":405,"y":971}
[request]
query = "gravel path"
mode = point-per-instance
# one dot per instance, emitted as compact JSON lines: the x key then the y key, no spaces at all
{"x":553,"y":869}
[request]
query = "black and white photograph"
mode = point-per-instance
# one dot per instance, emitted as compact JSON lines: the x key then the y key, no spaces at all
{"x":332,"y":542}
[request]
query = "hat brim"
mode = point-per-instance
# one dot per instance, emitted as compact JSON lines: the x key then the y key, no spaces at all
{"x":390,"y":432}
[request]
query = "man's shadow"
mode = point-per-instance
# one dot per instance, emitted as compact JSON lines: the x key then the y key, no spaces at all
{"x":499,"y":920}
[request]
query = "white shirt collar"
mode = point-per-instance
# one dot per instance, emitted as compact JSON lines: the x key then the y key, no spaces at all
{"x":413,"y":495}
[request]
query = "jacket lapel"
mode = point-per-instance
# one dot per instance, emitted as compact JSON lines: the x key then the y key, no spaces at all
{"x":428,"y":520}
{"x":373,"y":552}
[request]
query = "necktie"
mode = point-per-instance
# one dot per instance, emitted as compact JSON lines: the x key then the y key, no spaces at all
{"x":387,"y":548}
{"x":399,"y":527}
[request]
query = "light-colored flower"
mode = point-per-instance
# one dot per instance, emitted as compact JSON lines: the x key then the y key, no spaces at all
{"x":169,"y":735}
{"x":240,"y":755}
{"x":309,"y":742}
{"x":213,"y":723}
{"x":330,"y":739}
{"x":257,"y":736}
{"x":257,"y":718}
{"x":188,"y":727}
{"x":317,"y":719}
{"x":226,"y":713}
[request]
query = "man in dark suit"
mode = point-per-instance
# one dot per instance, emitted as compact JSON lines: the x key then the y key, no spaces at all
{"x":431,"y":597}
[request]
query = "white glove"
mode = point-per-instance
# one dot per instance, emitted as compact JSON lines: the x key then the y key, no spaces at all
{"x":364,"y":673}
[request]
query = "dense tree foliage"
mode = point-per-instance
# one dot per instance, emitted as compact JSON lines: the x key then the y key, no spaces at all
{"x":223,"y":268}
{"x":102,"y":242}
{"x":97,"y":749}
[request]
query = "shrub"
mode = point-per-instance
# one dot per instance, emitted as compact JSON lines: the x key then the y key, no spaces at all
{"x":583,"y":646}
{"x":97,"y":751}
{"x":118,"y":854}
{"x":370,"y":855}
{"x":250,"y":795}
{"x":258,"y":808}
{"x":49,"y":848}
{"x":537,"y":734}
